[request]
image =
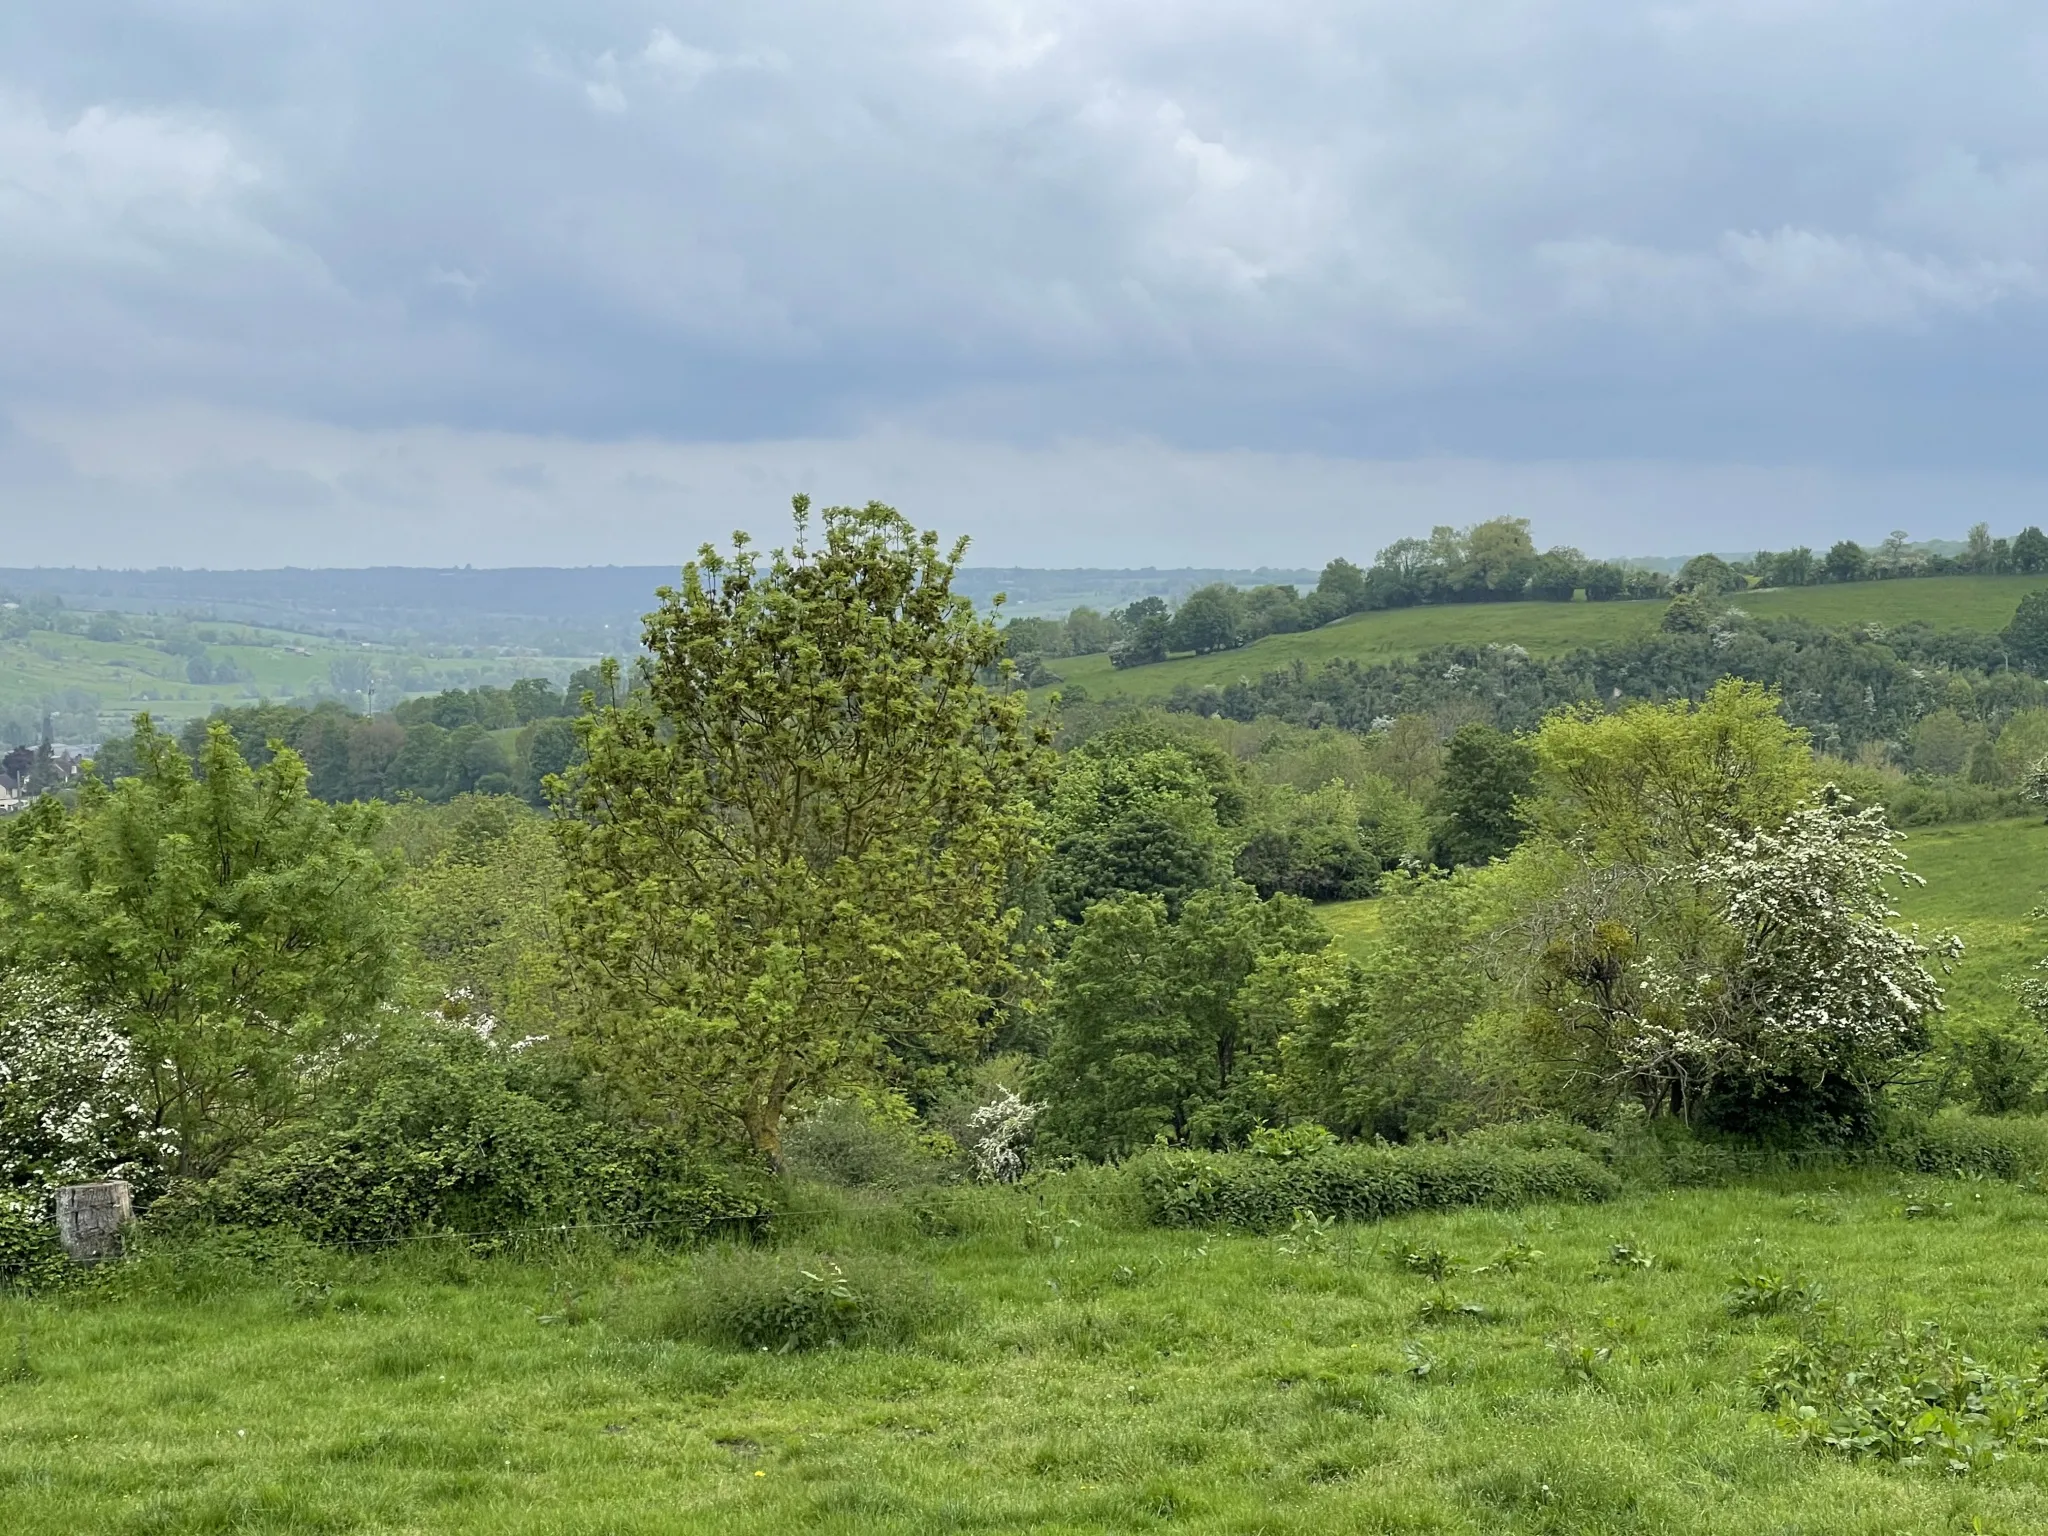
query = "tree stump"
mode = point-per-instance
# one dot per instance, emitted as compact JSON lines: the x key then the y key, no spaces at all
{"x":90,"y":1218}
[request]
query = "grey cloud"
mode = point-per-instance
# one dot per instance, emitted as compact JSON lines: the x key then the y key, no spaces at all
{"x":1567,"y":230}
{"x":181,"y":487}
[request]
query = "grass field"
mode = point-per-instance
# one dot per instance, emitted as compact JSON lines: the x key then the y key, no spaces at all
{"x":1957,"y":602}
{"x":127,"y":677}
{"x":1100,"y":1379}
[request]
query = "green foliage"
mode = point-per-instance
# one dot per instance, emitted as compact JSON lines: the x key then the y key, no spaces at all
{"x":227,"y":924}
{"x":477,"y":912}
{"x":1961,"y":1145}
{"x":1944,"y":742}
{"x":1393,"y":1045}
{"x":1917,"y":1400}
{"x":1135,"y":812}
{"x":1153,"y":1029}
{"x":1211,"y":619}
{"x":1477,"y":809}
{"x":1770,"y":1293}
{"x":1286,"y":1142}
{"x":843,"y":1141}
{"x":2022,"y":742}
{"x":1659,"y":782}
{"x":437,"y":1129}
{"x":31,"y":1259}
{"x":2002,"y":1062}
{"x":779,"y":1301}
{"x":795,"y":856}
{"x":2027,"y":634}
{"x":1330,"y":843}
{"x":1259,"y":1194}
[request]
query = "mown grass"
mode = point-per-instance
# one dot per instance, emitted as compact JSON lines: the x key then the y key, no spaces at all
{"x":1548,"y":629}
{"x":1099,"y":1378}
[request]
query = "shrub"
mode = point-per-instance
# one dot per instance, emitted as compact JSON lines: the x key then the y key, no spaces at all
{"x":782,"y":1301}
{"x":1182,"y":1189}
{"x":842,"y":1142}
{"x":1285,"y":1142}
{"x":1002,"y":1133}
{"x":69,"y":1085}
{"x":1545,"y":1134}
{"x":1964,"y":1144}
{"x":439,"y":1136}
{"x":1917,"y":1400}
{"x":30,"y":1256}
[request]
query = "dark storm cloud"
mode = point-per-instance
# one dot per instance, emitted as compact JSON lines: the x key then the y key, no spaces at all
{"x":1808,"y":232}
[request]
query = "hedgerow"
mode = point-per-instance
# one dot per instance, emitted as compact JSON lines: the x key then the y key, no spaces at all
{"x":1358,"y":1183}
{"x":441,"y":1135}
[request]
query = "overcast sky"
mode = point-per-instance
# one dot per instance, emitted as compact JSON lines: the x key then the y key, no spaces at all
{"x":1114,"y":282}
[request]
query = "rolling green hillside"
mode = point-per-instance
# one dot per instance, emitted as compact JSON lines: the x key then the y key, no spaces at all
{"x":1957,"y":602}
{"x":114,"y":679}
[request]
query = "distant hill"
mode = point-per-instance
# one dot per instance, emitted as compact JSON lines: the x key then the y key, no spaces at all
{"x":595,"y":606}
{"x":1548,"y":629}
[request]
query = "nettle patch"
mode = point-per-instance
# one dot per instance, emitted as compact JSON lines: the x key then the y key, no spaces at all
{"x":1917,"y":1399}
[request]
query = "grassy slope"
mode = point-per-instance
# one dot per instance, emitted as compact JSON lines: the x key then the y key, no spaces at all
{"x":1123,"y":1381}
{"x":1961,"y":602}
{"x":1982,"y":881}
{"x":129,"y":677}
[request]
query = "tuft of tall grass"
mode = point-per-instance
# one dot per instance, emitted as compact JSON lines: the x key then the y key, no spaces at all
{"x":785,"y":1300}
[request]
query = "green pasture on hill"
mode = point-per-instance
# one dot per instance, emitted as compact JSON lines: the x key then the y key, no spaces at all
{"x":1095,"y":1378}
{"x":1984,"y":879}
{"x":128,"y":677}
{"x":1547,"y":629}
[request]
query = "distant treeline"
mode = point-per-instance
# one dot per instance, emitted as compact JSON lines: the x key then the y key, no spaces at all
{"x":453,"y":743}
{"x":1493,"y":561}
{"x":1938,"y":703}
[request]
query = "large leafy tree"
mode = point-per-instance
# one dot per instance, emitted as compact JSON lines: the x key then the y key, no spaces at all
{"x":1478,"y":800}
{"x":1211,"y":619}
{"x":1659,"y":782}
{"x":2027,"y":633}
{"x":1152,"y":1032}
{"x":227,"y":924}
{"x":794,"y":857}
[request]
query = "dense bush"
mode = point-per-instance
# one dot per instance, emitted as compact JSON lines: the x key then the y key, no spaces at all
{"x":30,"y":1257}
{"x":784,"y":1301}
{"x":1358,"y":1183}
{"x":842,"y":1142}
{"x":438,"y":1133}
{"x":1967,"y":1144}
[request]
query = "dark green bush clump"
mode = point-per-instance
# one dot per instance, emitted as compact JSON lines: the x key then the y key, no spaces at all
{"x":1996,"y":1148}
{"x":1262,"y":1194}
{"x":30,"y":1257}
{"x":783,"y":1301}
{"x":841,"y":1143}
{"x":443,"y":1136}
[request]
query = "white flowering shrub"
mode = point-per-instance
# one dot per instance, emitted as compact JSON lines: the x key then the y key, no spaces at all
{"x":1003,"y":1129}
{"x":1823,"y":983}
{"x":70,"y":1105}
{"x":2034,"y":783}
{"x":1770,"y":966}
